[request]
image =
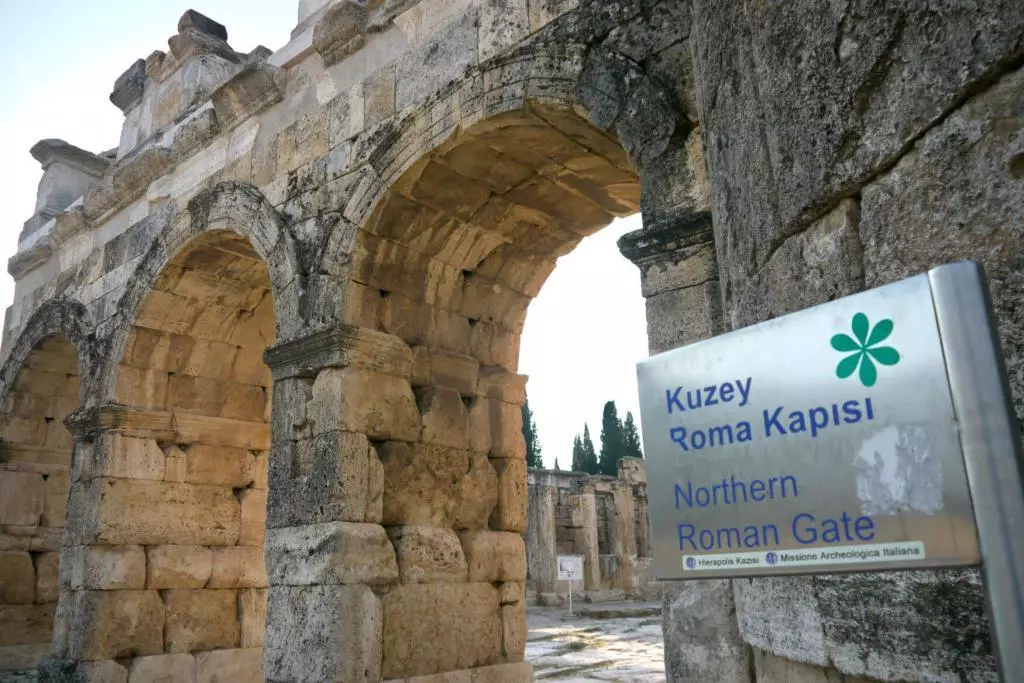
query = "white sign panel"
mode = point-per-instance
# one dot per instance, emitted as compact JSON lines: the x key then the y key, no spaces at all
{"x":570,"y":567}
{"x":820,"y":441}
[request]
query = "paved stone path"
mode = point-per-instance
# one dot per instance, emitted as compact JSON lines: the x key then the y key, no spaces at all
{"x":591,"y":649}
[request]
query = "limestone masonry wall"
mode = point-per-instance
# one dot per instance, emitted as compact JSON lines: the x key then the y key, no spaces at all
{"x":261,"y":409}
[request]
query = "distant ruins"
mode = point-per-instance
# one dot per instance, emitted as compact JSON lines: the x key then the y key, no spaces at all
{"x":261,"y":415}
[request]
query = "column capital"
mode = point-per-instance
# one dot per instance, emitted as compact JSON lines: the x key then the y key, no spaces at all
{"x":656,"y":244}
{"x":337,"y":346}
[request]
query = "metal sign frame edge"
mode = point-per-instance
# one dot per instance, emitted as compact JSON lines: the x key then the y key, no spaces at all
{"x":990,"y":439}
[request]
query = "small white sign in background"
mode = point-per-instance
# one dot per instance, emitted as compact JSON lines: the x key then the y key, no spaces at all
{"x":570,"y":567}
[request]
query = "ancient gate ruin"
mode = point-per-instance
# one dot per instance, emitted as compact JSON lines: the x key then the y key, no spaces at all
{"x":260,"y":402}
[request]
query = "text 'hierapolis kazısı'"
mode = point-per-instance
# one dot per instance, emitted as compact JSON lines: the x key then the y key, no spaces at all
{"x":775,"y":422}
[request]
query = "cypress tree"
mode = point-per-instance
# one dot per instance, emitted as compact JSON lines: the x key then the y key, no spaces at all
{"x":631,"y":438}
{"x":613,"y":444}
{"x":557,"y":468}
{"x":577,"y":455}
{"x":590,"y":465}
{"x":533,"y":454}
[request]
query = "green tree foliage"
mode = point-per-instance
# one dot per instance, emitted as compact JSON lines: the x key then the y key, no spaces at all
{"x":577,"y":455}
{"x":533,"y":454}
{"x":631,"y":438}
{"x":590,"y":465}
{"x":613,"y":444}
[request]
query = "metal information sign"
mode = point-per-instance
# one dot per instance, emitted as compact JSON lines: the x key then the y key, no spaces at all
{"x":570,"y":567}
{"x":850,"y":436}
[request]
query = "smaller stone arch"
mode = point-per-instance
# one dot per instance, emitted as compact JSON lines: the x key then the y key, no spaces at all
{"x":41,"y":383}
{"x":232,"y":207}
{"x":55,"y":317}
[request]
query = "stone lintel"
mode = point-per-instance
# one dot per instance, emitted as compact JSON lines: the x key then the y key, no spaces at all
{"x":339,"y":346}
{"x":129,"y":86}
{"x":51,"y":151}
{"x":26,"y":261}
{"x":41,"y":218}
{"x":652,"y":245}
{"x":68,"y":224}
{"x":202,"y":23}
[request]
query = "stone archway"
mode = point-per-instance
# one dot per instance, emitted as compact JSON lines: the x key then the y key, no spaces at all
{"x":36,"y":453}
{"x":448,"y":263}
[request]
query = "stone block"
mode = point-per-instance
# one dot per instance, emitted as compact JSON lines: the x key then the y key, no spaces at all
{"x":253,"y":522}
{"x":511,"y":592}
{"x":443,"y":59}
{"x":780,"y":615}
{"x":238,"y":567}
{"x":47,"y":576}
{"x":375,"y":486}
{"x":103,"y":567}
{"x":17,"y":578}
{"x":178,"y":566}
{"x":55,"y":499}
{"x":343,"y":624}
{"x":155,"y":512}
{"x":513,"y":631}
{"x":175,"y":464}
{"x":421,"y":483}
{"x":114,"y":624}
{"x":379,"y":95}
{"x":25,"y":624}
{"x":332,"y":553}
{"x":320,"y":480}
{"x":699,"y":616}
{"x":201,"y":620}
{"x":477,"y":494}
{"x":496,"y":428}
{"x":503,"y":23}
{"x":179,"y":668}
{"x":106,"y":671}
{"x":455,"y":371}
{"x":22,"y":495}
{"x":428,"y":554}
{"x":127,"y":457}
{"x":772,"y":669}
{"x":23,"y":657}
{"x":510,"y":513}
{"x":466,"y":613}
{"x":252,"y":614}
{"x":444,"y":417}
{"x":353,"y":399}
{"x":519,"y":672}
{"x":222,"y":666}
{"x":219,"y":465}
{"x":494,"y":555}
{"x":684,"y":315}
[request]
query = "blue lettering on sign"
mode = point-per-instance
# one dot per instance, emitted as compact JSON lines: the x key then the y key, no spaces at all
{"x":733,"y":491}
{"x":681,"y":400}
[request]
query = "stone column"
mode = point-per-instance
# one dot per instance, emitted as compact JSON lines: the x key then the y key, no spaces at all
{"x":586,"y":535}
{"x":623,"y":535}
{"x":541,"y":551}
{"x":679,"y":278}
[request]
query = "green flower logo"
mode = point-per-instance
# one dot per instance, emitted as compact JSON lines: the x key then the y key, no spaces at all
{"x":865,"y":349}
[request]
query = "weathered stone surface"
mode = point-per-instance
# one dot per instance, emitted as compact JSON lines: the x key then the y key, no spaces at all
{"x":341,"y":623}
{"x":322,"y":479}
{"x":770,"y":668}
{"x":520,"y":672}
{"x":165,"y":668}
{"x":428,"y":554}
{"x":112,"y":624}
{"x":513,"y":631}
{"x":194,"y":20}
{"x":477,"y":494}
{"x":494,"y":555}
{"x":229,"y":665}
{"x":17,"y":579}
{"x":178,"y":566}
{"x":444,"y":417}
{"x":510,"y":513}
{"x":333,"y":553}
{"x":834,"y":91}
{"x":47,"y":567}
{"x":153,"y":512}
{"x":467,"y":613}
{"x":352,"y":399}
{"x":955,"y":196}
{"x":238,"y":567}
{"x":683,"y":315}
{"x":252,"y":615}
{"x":21,"y":498}
{"x":201,"y":620}
{"x":702,"y":641}
{"x":25,"y":624}
{"x":102,"y":567}
{"x":780,"y":616}
{"x":253,"y":521}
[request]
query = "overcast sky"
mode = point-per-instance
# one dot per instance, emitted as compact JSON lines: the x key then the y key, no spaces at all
{"x":584,"y":333}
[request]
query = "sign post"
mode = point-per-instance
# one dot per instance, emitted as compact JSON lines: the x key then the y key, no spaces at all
{"x":870,"y":433}
{"x":570,"y":567}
